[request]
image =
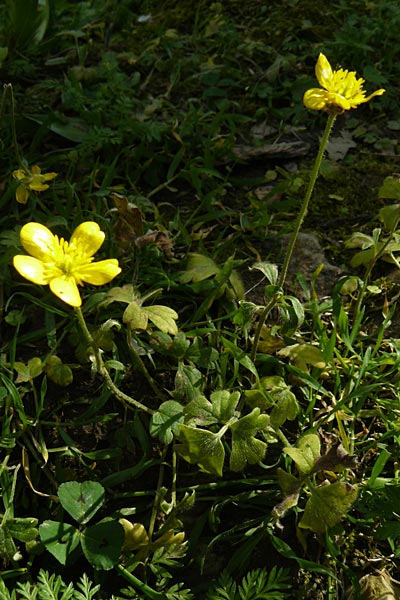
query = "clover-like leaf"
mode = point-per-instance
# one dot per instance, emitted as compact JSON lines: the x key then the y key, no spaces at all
{"x":246,"y":448}
{"x":165,"y":421}
{"x":81,"y":500}
{"x":60,"y":539}
{"x":327,"y":505}
{"x":102,"y":544}
{"x":306,"y":453}
{"x":201,"y":447}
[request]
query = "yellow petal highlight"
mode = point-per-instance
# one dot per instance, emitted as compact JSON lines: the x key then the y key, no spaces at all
{"x":101,"y":272}
{"x":30,"y":268}
{"x":66,"y":289}
{"x":88,"y":237}
{"x":323,"y":71}
{"x":38,"y":241}
{"x":340,"y":90}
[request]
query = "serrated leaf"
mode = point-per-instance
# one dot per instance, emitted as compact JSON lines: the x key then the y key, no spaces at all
{"x":58,"y":372}
{"x":224,"y":404}
{"x":201,"y":447}
{"x":135,"y":317}
{"x":81,"y":500}
{"x":327,"y":505}
{"x":286,"y":408}
{"x":165,"y":421}
{"x":199,"y":267}
{"x":199,"y":411}
{"x":126,"y":294}
{"x":306,"y":453}
{"x":102,"y":544}
{"x":60,"y":539}
{"x":246,"y":449}
{"x":162,"y":317}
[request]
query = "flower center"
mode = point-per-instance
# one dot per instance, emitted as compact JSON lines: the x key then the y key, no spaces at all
{"x":67,"y":260}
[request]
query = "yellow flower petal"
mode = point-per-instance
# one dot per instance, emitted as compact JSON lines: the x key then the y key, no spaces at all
{"x":66,"y":289}
{"x":49,"y":176}
{"x":341,"y":89}
{"x":99,"y":273}
{"x":31,"y":268}
{"x":87,"y":237}
{"x":21,"y":194}
{"x":323,"y":71}
{"x":39,"y":241}
{"x":37,"y":185}
{"x":20,"y":174}
{"x":36,"y":170}
{"x":377,"y":93}
{"x":315,"y":98}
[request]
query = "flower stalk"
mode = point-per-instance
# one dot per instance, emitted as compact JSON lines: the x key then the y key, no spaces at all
{"x":340,"y":90}
{"x":102,"y":369}
{"x":299,"y":222}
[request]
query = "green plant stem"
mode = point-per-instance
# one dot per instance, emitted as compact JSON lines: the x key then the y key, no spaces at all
{"x":157,"y":498}
{"x":143,"y":587}
{"x":102,"y":369}
{"x":299,"y":222}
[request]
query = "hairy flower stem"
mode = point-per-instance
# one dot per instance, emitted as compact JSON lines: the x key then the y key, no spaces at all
{"x":299,"y":222}
{"x":102,"y":369}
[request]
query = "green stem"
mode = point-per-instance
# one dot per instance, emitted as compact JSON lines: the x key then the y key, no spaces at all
{"x":143,"y":587}
{"x":102,"y":369}
{"x":299,"y":222}
{"x":157,"y":498}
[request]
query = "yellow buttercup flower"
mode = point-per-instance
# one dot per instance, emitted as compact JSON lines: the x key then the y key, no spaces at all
{"x":32,"y":179}
{"x":64,"y":265}
{"x":341,"y":89}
